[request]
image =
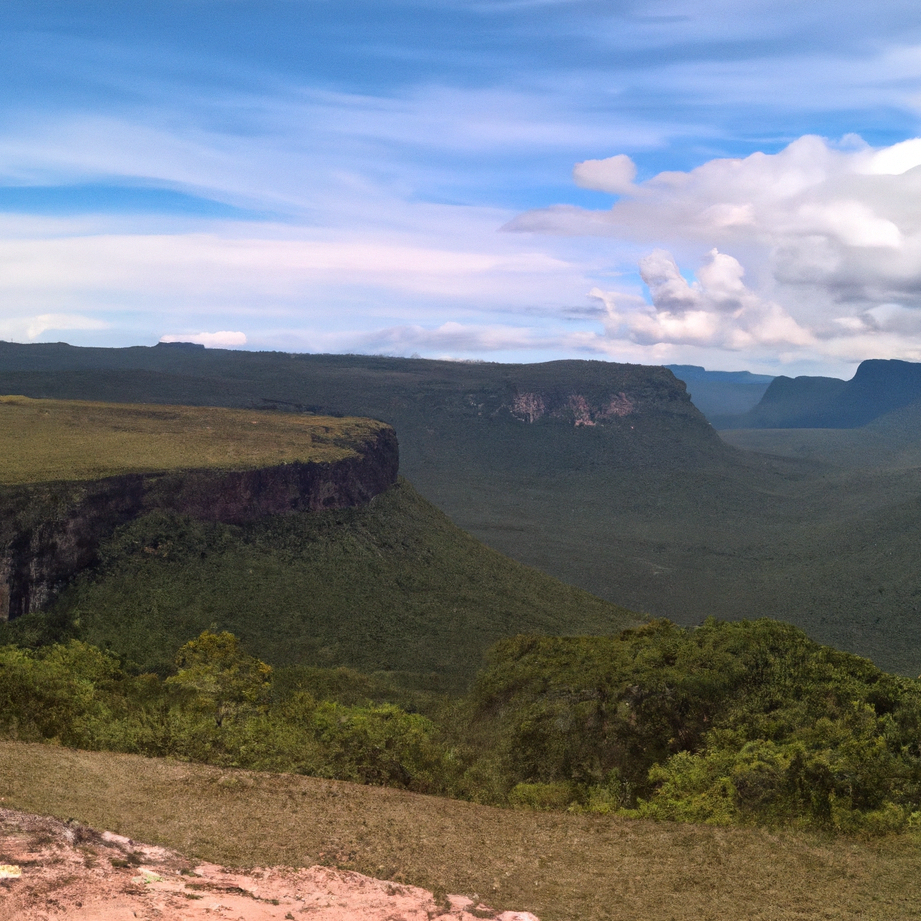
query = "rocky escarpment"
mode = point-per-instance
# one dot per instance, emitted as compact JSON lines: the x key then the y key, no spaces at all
{"x":449,"y":414}
{"x":51,"y":531}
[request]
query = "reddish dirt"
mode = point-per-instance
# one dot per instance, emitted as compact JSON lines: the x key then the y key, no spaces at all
{"x":51,"y":869}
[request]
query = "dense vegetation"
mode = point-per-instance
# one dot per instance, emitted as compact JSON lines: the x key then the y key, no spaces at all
{"x":729,"y":722}
{"x":392,"y":586}
{"x":726,"y":724}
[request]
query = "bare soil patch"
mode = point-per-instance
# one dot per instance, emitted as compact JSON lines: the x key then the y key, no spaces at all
{"x":52,"y":869}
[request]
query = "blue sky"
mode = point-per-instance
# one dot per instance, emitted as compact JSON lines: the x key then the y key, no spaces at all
{"x":726,"y":184}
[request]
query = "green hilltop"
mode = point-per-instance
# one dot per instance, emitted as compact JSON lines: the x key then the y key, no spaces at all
{"x":68,"y":440}
{"x":389,"y":585}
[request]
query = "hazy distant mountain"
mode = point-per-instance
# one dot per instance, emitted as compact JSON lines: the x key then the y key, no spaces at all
{"x":722,"y":393}
{"x":878,"y":387}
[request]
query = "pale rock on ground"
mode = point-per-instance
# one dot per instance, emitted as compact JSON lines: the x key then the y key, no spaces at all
{"x":53,"y":870}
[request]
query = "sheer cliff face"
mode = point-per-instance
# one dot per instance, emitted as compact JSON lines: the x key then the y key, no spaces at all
{"x":49,"y":532}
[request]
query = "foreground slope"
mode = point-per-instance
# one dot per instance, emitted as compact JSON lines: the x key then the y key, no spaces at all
{"x":96,"y":875}
{"x":560,"y":866}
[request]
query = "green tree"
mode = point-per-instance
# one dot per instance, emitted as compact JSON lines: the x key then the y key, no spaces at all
{"x":220,"y":677}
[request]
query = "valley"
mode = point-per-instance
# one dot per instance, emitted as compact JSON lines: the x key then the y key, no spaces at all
{"x":269,"y":632}
{"x":653,"y":509}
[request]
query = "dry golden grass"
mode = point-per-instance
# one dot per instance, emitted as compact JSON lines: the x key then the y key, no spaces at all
{"x":47,"y":440}
{"x":562,"y":867}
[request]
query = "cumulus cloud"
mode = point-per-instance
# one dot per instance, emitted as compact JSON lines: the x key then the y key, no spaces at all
{"x":717,"y":310}
{"x":615,"y":174}
{"x":220,"y":340}
{"x":35,"y":326}
{"x":829,"y":233}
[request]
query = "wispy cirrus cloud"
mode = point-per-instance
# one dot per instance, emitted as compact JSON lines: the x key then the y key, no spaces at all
{"x":336,"y":173}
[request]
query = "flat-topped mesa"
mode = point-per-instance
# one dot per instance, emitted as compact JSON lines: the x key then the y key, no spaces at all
{"x":72,"y":472}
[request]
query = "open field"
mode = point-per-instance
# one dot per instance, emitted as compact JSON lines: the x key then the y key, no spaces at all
{"x":73,"y":440}
{"x":562,"y":867}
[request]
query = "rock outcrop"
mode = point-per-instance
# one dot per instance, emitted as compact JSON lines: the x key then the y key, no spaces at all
{"x":51,"y":531}
{"x":69,"y":870}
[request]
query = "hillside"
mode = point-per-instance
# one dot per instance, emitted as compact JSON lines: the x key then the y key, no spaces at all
{"x":560,"y":866}
{"x":507,"y":415}
{"x":649,"y":509}
{"x":389,"y":586}
{"x":877,"y":388}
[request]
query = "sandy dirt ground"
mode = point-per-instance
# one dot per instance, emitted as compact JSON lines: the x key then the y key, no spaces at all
{"x":53,"y":870}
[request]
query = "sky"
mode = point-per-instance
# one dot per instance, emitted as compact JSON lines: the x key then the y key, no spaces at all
{"x":730,"y":184}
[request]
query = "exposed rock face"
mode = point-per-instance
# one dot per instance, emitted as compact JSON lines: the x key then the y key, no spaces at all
{"x":50,"y":532}
{"x":70,"y":870}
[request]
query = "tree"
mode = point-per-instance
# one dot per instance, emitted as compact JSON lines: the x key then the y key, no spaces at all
{"x":224,"y":680}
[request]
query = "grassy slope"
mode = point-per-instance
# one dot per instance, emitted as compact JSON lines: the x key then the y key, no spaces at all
{"x":392,"y":586}
{"x":74,"y":440}
{"x":563,"y":867}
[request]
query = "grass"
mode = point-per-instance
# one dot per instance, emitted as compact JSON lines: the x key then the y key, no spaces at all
{"x":562,"y":867}
{"x":56,"y":440}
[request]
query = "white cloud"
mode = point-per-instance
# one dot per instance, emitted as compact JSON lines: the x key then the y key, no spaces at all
{"x":827,"y":233}
{"x":33,"y":327}
{"x":287,"y":286}
{"x":219,"y":340}
{"x":717,"y":310}
{"x":615,"y":174}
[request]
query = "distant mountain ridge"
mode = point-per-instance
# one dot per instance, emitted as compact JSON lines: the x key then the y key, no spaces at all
{"x":722,"y":393}
{"x":878,"y":387}
{"x":574,"y":413}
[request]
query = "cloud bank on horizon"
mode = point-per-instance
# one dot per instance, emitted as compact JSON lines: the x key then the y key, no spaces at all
{"x":737,"y":186}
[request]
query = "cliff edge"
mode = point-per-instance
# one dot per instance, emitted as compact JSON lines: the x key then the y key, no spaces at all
{"x":50,"y":530}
